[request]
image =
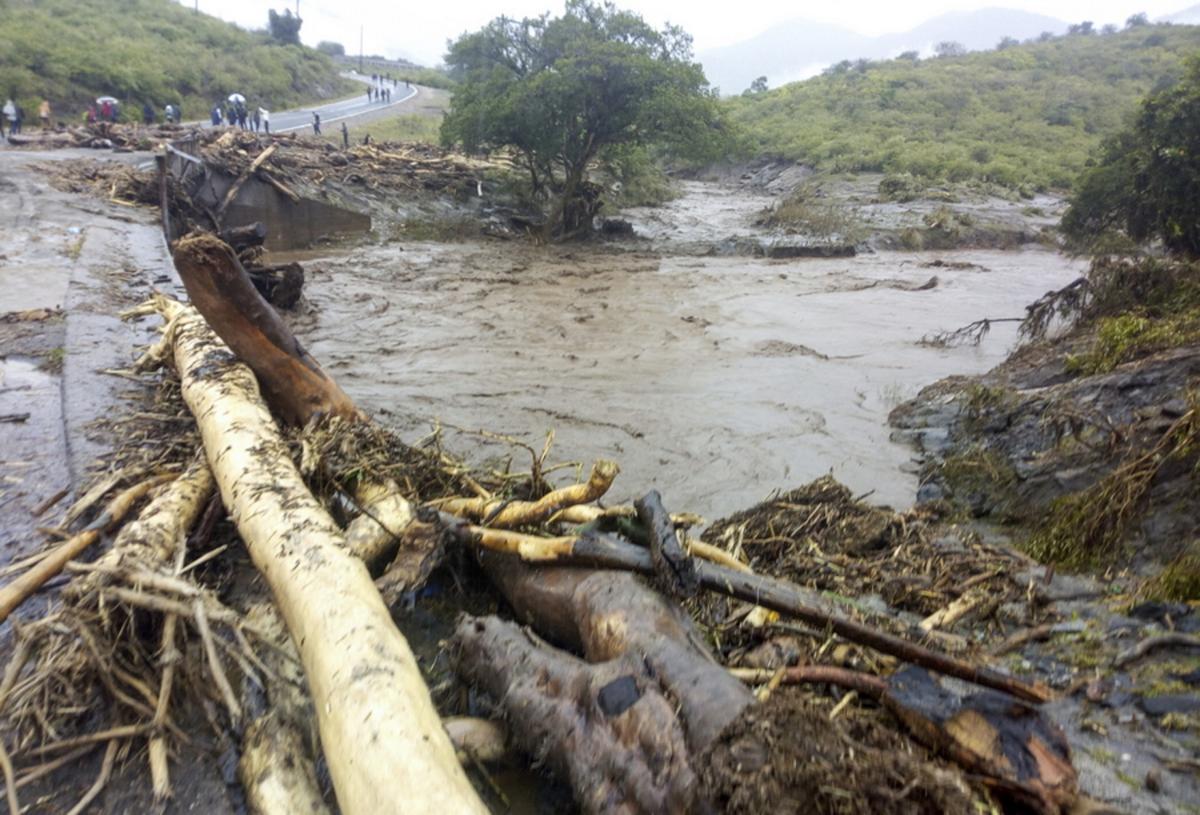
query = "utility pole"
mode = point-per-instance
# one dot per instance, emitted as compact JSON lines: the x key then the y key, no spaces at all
{"x":360,"y":49}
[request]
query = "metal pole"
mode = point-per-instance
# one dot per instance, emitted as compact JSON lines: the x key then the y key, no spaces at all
{"x":360,"y":49}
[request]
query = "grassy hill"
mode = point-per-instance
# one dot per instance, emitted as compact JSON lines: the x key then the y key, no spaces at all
{"x":71,"y":51}
{"x":1029,"y":114}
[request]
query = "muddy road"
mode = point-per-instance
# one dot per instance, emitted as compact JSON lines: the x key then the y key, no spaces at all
{"x":714,"y":380}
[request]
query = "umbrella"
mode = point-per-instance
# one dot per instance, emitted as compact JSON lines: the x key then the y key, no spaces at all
{"x":112,"y":100}
{"x":237,"y":97}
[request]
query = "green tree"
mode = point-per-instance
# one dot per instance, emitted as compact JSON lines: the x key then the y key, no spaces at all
{"x":756,"y":87}
{"x":284,"y":28}
{"x":333,"y":49}
{"x":563,"y":91}
{"x":1146,"y":184}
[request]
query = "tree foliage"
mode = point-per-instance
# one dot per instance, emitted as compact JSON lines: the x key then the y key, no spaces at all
{"x":564,"y":91}
{"x":330,"y":48}
{"x":1146,"y":184}
{"x":284,"y":28}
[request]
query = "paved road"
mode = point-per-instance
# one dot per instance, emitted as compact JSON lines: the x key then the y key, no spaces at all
{"x":285,"y":121}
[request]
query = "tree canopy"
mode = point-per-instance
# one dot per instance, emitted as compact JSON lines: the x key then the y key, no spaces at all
{"x":563,"y":91}
{"x":1146,"y":184}
{"x":284,"y":28}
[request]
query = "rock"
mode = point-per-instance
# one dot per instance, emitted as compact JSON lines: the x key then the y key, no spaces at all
{"x":1169,"y":703}
{"x":1154,"y":780}
{"x":930,"y":491}
{"x":1158,"y":611}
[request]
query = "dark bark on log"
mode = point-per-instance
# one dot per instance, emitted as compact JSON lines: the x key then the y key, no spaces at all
{"x":1021,"y":755}
{"x":605,"y":552}
{"x":291,"y":380}
{"x":608,"y":729}
{"x":607,"y":615}
{"x":674,"y":569}
{"x":244,"y":237}
{"x":279,"y":285}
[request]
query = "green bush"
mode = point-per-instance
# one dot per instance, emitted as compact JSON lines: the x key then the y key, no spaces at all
{"x":1029,"y":114}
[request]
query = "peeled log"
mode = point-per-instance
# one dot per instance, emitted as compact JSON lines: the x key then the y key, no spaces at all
{"x":382,"y":737}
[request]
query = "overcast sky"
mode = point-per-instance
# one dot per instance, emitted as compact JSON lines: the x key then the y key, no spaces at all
{"x":419,"y":30}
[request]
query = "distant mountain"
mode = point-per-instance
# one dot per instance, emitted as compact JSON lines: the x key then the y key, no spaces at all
{"x":798,"y":49}
{"x":1189,"y":16}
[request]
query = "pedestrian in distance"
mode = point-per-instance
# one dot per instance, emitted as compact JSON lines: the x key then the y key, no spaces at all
{"x":16,"y":125}
{"x":89,"y":115}
{"x":257,"y":119}
{"x":369,"y":92}
{"x":44,"y":113}
{"x":316,"y":123}
{"x":147,"y":114}
{"x":345,"y":136}
{"x":266,"y":118}
{"x":10,"y":114}
{"x":215,"y":115}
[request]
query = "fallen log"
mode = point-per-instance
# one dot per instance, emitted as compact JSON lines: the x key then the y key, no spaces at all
{"x":608,"y":615}
{"x":598,"y":551}
{"x":675,"y":571}
{"x":293,"y":383}
{"x":381,"y":736}
{"x":607,"y":728}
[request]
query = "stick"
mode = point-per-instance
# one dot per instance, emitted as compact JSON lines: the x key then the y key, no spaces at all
{"x":1146,"y":646}
{"x":672,"y":565}
{"x":101,"y":780}
{"x":864,"y":683}
{"x":606,"y":552}
{"x":10,"y":781}
{"x":236,"y":186}
{"x":19,"y":590}
{"x":113,"y":733}
{"x":49,"y":502}
{"x":214,"y":662}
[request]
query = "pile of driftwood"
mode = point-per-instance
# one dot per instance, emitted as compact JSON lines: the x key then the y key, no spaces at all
{"x":100,"y":136}
{"x":618,"y":692}
{"x":306,"y":162}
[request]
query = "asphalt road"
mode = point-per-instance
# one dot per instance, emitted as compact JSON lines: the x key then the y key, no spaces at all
{"x":284,"y":121}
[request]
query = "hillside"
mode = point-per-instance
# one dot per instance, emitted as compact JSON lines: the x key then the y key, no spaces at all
{"x":71,"y":51}
{"x":797,"y":49}
{"x":1029,"y":114}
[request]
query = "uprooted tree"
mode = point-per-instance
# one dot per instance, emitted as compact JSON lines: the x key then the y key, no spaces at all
{"x":565,"y":91}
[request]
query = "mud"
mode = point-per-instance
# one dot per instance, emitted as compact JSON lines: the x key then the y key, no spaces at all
{"x":713,"y":380}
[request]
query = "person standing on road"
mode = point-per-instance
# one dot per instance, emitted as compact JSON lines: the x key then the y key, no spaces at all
{"x":316,"y":123}
{"x":370,"y":90}
{"x":44,"y":113}
{"x":147,"y":114}
{"x":10,"y":114}
{"x":345,"y":136}
{"x":257,"y":119}
{"x":266,"y":118}
{"x":215,"y":115}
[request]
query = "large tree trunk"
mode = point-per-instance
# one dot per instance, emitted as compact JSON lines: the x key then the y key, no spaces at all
{"x":382,"y":737}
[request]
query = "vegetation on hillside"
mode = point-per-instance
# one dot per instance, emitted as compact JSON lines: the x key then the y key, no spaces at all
{"x":1146,"y":184}
{"x":569,"y":92}
{"x":156,"y":51}
{"x":1028,"y":114}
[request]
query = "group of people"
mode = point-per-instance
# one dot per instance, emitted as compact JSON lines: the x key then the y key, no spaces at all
{"x":379,"y":94}
{"x":236,"y":115}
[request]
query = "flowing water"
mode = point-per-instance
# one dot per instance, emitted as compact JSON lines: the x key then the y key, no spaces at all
{"x":713,"y":379}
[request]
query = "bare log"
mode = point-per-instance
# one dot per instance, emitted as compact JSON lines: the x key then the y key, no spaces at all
{"x":382,"y":737}
{"x":291,"y":380}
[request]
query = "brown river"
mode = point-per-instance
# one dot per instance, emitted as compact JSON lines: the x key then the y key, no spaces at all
{"x":715,"y":380}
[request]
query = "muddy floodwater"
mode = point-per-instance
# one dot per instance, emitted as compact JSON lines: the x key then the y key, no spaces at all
{"x":715,"y":380}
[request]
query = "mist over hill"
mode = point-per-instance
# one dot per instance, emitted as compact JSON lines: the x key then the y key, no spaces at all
{"x":799,"y":48}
